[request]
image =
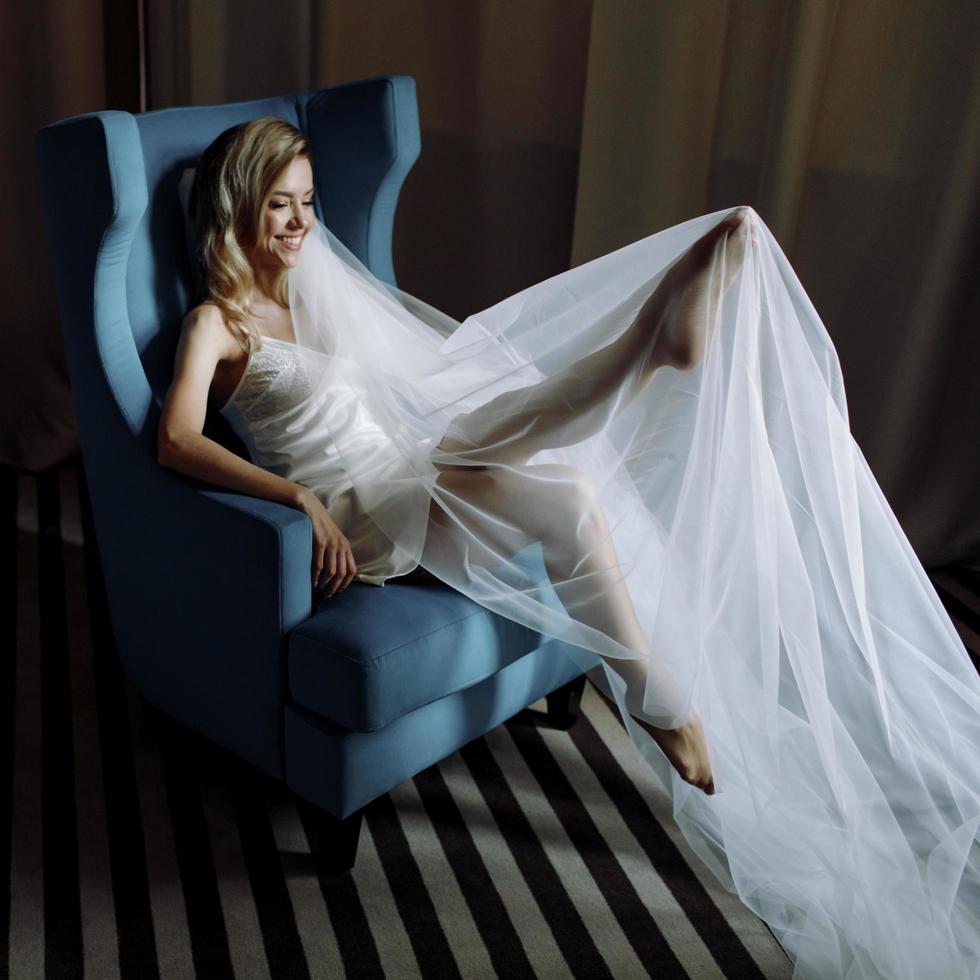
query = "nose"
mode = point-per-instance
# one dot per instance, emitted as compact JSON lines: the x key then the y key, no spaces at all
{"x":297,"y":218}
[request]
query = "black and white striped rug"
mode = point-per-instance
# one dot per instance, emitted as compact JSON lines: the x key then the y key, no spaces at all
{"x":132,"y":848}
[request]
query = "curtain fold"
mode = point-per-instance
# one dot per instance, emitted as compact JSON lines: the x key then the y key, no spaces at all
{"x":51,"y":65}
{"x":853,"y":128}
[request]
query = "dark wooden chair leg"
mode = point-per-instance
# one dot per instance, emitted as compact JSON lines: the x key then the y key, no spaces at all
{"x":342,"y":848}
{"x":563,"y":703}
{"x":333,"y":840}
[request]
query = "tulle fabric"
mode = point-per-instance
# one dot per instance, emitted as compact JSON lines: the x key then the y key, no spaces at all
{"x":774,"y":592}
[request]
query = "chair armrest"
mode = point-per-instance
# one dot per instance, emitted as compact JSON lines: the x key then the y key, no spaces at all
{"x":290,"y":545}
{"x":207,"y":586}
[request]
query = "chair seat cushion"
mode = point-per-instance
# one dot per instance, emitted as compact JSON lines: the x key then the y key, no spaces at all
{"x":368,"y":655}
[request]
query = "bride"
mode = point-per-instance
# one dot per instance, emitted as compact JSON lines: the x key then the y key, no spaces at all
{"x":648,"y":457}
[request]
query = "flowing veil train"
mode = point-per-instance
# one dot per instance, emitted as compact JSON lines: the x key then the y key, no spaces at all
{"x":774,"y":589}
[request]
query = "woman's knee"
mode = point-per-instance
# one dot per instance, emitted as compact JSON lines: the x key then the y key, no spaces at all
{"x":540,"y":495}
{"x":561,"y":506}
{"x":569,"y":487}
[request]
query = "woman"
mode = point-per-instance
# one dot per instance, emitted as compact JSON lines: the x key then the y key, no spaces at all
{"x":666,"y":427}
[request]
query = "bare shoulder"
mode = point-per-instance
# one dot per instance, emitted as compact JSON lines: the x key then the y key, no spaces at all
{"x":204,"y":328}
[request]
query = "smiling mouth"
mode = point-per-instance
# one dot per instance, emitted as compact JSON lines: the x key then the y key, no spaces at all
{"x":291,"y":240}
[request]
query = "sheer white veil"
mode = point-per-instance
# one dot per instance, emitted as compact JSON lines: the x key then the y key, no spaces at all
{"x":774,"y":588}
{"x":776,"y":591}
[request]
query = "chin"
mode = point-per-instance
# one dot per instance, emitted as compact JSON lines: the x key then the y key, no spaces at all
{"x":289,"y":259}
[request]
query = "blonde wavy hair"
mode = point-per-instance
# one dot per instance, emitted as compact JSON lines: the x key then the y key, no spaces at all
{"x":231,"y":182}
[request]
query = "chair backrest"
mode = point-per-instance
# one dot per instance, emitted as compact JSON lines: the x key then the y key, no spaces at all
{"x":118,"y":247}
{"x":121,"y":172}
{"x":362,"y":148}
{"x":125,"y":280}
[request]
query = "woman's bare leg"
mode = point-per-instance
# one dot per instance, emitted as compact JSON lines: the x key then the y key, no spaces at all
{"x":558,"y":506}
{"x":668,"y":330}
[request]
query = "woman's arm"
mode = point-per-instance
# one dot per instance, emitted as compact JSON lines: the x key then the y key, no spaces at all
{"x":182,"y":446}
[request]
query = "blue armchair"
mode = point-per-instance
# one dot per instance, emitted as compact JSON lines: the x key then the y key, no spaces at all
{"x":209,"y":591}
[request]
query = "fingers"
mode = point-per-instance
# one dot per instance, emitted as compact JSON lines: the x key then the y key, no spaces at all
{"x":324,"y":556}
{"x":346,"y":569}
{"x":351,"y":571}
{"x":327,"y":565}
{"x":338,"y":568}
{"x":329,"y":573}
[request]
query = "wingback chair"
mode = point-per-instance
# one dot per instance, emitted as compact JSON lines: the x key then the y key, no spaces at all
{"x":210,"y":591}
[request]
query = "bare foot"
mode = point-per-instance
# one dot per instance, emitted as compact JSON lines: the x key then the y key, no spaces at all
{"x":677,"y":310}
{"x":687,"y":751}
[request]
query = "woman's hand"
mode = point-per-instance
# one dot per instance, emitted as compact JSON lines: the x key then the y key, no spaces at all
{"x":333,"y":560}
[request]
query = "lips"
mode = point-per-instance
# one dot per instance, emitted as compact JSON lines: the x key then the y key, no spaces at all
{"x":291,"y":242}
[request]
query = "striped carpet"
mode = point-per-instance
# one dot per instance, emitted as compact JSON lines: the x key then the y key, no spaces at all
{"x":134,"y":849}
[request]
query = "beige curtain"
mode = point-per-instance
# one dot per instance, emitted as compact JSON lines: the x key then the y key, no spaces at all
{"x":489,"y":206}
{"x":51,"y":66}
{"x":853,"y":128}
{"x":556,"y":130}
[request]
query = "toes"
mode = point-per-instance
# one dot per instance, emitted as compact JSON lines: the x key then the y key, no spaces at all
{"x":748,"y":222}
{"x":689,"y":774}
{"x":745,"y":213}
{"x":742,"y":222}
{"x":704,"y":783}
{"x":682,"y":352}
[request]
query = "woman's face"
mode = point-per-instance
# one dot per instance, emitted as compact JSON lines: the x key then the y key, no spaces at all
{"x":287,"y":216}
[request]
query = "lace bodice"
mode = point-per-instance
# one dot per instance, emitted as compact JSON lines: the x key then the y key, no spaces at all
{"x":274,"y":380}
